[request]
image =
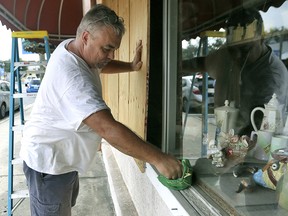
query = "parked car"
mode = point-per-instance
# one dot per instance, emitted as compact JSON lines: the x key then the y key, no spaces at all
{"x":196,"y":94}
{"x":29,"y":78}
{"x":33,"y":86}
{"x":5,"y":99}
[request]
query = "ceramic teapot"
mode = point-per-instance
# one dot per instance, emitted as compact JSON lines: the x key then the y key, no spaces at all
{"x":226,"y":116}
{"x":272,"y":119}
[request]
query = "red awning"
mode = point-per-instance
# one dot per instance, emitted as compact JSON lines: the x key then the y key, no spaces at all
{"x":59,"y":17}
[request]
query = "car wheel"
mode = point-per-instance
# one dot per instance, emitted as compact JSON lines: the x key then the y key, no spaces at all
{"x":185,"y":104}
{"x":2,"y":111}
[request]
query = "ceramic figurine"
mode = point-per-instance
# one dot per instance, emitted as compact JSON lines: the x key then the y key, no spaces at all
{"x":234,"y":145}
{"x":218,"y":159}
{"x":269,"y":176}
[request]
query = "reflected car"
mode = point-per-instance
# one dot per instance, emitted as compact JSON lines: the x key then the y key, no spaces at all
{"x":211,"y":85}
{"x":5,"y":99}
{"x":196,"y":92}
{"x":33,"y":86}
{"x":195,"y":96}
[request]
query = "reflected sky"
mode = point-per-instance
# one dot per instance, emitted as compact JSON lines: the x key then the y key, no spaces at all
{"x":276,"y":17}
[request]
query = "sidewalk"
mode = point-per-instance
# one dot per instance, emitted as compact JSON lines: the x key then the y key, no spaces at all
{"x":94,"y":197}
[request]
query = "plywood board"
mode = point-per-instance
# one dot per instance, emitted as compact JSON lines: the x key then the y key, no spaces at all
{"x":124,"y":55}
{"x":112,"y":80}
{"x":138,"y":96}
{"x":126,"y":94}
{"x":138,"y":81}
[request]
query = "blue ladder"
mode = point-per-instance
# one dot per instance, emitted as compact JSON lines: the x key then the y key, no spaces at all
{"x":203,"y":51}
{"x":15,"y":78}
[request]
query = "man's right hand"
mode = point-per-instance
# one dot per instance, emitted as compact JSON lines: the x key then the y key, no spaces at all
{"x":169,"y":166}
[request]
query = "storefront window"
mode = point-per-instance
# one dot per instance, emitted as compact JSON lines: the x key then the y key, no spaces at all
{"x":226,"y":99}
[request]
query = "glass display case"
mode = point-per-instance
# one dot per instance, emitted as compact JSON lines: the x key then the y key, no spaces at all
{"x":225,"y":101}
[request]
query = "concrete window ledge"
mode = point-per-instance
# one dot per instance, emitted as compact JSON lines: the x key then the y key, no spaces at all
{"x":176,"y":203}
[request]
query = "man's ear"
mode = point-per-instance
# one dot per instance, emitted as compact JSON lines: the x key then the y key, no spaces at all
{"x":84,"y":37}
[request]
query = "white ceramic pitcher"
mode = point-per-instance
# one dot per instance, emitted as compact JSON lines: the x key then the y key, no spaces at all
{"x":272,"y":119}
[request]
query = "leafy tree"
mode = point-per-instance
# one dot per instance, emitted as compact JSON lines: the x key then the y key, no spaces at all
{"x":191,"y":50}
{"x":275,"y":34}
{"x":216,"y":44}
{"x":7,"y":65}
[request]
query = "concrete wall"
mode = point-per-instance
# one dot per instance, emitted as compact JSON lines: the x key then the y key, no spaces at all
{"x":144,"y":195}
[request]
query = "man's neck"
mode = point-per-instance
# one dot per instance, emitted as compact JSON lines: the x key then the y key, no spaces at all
{"x":72,"y":47}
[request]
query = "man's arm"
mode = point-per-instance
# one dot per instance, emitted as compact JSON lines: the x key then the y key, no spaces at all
{"x":126,"y":141}
{"x":119,"y":66}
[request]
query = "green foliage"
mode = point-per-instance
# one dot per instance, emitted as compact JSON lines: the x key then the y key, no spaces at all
{"x":191,"y":50}
{"x":276,"y":35}
{"x":6,"y":65}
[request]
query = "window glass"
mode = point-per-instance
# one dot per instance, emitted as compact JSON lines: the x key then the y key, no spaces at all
{"x":233,"y":105}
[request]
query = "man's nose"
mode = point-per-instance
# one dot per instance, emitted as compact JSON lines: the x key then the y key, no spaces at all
{"x":111,"y":55}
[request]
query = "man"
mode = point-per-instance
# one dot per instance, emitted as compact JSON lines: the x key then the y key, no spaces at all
{"x":69,"y":117}
{"x":245,"y":68}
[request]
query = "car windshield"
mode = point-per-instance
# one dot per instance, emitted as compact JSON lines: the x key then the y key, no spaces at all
{"x":35,"y":82}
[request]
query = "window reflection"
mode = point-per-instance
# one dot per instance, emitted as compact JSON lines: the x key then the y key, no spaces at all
{"x":246,"y":70}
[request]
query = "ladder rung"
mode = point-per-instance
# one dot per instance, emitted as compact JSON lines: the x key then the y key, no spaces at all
{"x":17,"y":161}
{"x":20,"y":194}
{"x":211,"y":90}
{"x":19,"y":64}
{"x":24,"y":95}
{"x":18,"y":127}
{"x":34,"y":72}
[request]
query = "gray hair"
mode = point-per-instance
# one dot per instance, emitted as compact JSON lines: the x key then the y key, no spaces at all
{"x":99,"y":16}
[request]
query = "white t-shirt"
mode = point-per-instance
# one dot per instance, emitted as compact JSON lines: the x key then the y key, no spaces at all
{"x":55,"y":140}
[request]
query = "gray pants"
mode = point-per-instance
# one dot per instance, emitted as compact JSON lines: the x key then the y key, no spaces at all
{"x":51,"y":195}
